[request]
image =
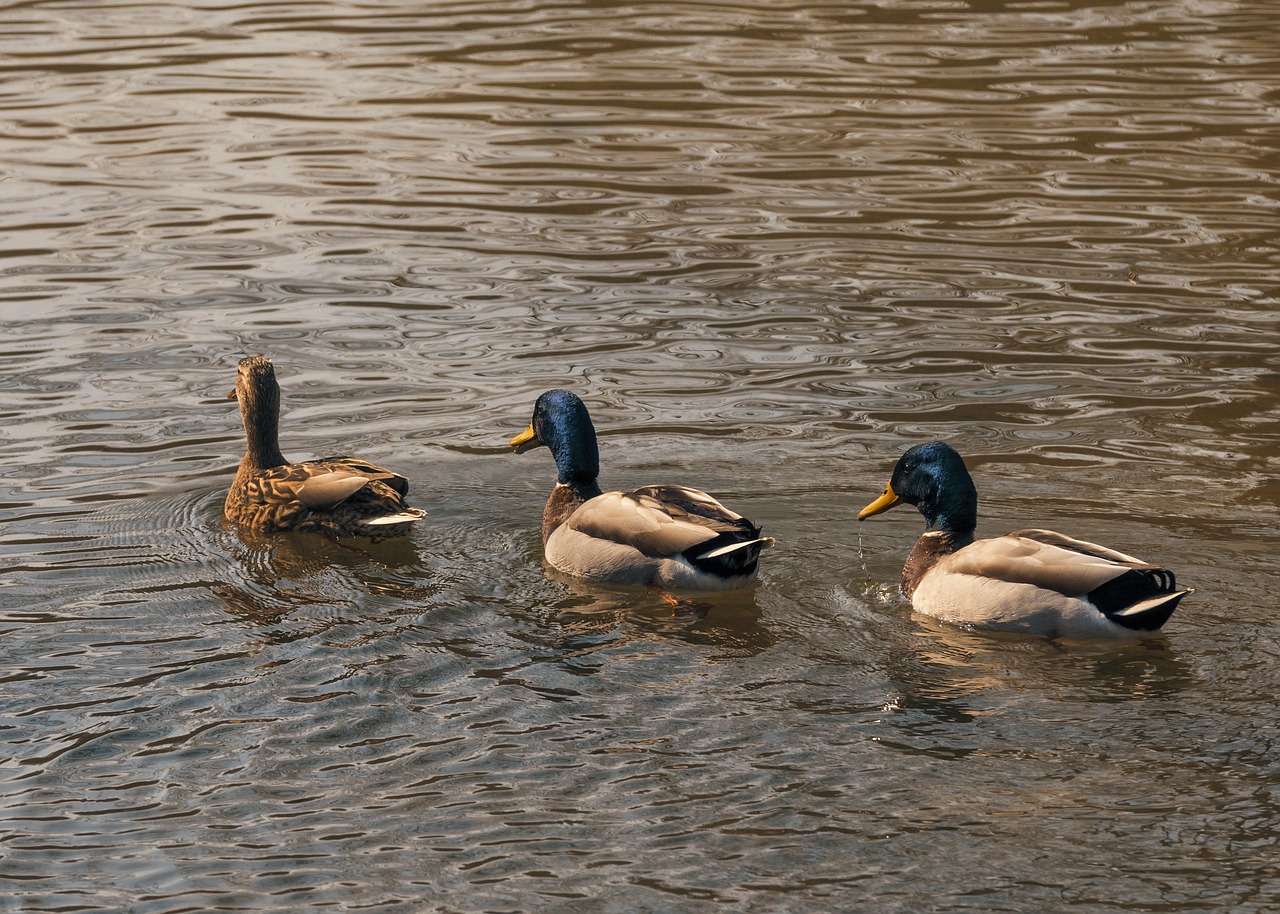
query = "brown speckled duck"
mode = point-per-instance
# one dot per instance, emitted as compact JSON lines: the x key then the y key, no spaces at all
{"x":1033,"y":581}
{"x":664,"y":535}
{"x":337,"y":496}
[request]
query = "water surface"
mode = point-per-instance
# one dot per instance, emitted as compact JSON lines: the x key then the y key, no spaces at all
{"x":772,"y":245}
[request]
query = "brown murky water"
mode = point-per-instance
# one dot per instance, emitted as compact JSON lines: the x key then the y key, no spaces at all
{"x":772,"y":245}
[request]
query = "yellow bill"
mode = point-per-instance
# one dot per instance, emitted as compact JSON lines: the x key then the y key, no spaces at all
{"x":880,"y":505}
{"x":526,"y":440}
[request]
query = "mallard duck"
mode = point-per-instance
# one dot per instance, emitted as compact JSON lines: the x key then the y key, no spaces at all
{"x":338,"y":496}
{"x":664,"y":535}
{"x":1027,"y":581}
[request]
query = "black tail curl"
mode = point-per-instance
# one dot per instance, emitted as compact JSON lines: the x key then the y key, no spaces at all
{"x":1117,"y":597}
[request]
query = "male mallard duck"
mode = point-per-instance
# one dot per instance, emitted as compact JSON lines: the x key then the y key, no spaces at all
{"x":1028,"y":581}
{"x":671,"y":536}
{"x":339,"y":496}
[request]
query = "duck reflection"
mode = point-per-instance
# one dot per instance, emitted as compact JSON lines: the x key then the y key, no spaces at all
{"x":314,"y":581}
{"x":956,"y":675}
{"x":729,"y":624}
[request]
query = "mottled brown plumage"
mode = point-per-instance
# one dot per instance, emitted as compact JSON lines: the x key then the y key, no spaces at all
{"x":339,"y":496}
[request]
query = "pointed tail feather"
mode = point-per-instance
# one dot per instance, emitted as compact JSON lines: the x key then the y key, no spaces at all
{"x":403,"y":517}
{"x":1149,"y":614}
{"x":764,"y":542}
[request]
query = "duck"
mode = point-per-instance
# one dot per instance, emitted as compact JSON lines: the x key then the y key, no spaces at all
{"x":335,"y":496}
{"x":664,"y":536}
{"x":1031,"y":581}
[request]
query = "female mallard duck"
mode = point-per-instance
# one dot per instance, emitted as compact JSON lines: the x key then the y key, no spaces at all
{"x":1028,"y":581}
{"x":670,"y":536}
{"x":339,"y":496}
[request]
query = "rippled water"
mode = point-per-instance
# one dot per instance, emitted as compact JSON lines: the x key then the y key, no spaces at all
{"x":772,"y":245}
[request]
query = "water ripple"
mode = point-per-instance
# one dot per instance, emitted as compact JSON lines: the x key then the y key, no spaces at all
{"x":772,"y":245}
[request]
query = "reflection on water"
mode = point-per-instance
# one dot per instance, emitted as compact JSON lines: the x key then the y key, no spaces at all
{"x":771,"y":245}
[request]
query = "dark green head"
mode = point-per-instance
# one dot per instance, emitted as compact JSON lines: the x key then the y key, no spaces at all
{"x":932,"y":477}
{"x":561,"y":422}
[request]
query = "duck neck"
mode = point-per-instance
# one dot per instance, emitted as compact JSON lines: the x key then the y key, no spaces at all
{"x":957,"y":526}
{"x":952,"y":508}
{"x":262,"y":429}
{"x":577,"y":459}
